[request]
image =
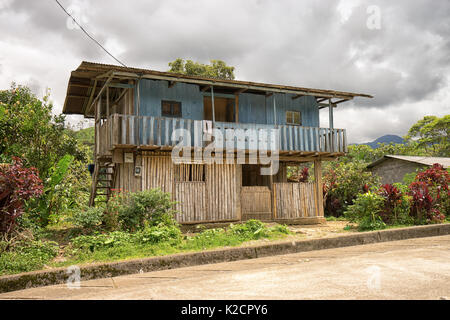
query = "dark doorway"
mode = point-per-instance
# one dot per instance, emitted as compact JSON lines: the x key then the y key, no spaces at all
{"x":251,"y":176}
{"x":223,"y":109}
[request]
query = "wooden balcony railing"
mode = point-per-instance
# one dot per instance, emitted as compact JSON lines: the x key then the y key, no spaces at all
{"x":128,"y":130}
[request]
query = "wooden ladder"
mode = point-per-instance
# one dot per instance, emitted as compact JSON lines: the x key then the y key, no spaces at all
{"x":103,"y":180}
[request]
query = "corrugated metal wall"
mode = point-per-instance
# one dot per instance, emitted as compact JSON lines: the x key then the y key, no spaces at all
{"x":253,"y":108}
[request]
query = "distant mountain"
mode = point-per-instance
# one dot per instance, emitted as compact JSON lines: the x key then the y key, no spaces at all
{"x":387,"y":139}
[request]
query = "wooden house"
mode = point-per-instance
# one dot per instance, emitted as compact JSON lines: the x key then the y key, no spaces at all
{"x":137,"y":111}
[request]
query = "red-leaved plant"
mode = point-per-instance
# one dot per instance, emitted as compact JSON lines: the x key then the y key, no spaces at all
{"x":17,"y":184}
{"x":431,"y":193}
{"x":392,"y":198}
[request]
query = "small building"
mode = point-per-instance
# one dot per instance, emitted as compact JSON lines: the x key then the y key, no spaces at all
{"x":392,"y":169}
{"x":220,"y":147}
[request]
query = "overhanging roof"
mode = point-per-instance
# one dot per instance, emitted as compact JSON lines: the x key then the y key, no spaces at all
{"x":426,"y":161}
{"x":87,"y":80}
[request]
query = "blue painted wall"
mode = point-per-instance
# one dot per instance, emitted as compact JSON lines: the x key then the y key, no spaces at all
{"x":252,"y":108}
{"x":152,"y":92}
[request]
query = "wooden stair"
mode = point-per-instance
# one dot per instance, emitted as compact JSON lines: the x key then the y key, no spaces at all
{"x":102,"y":182}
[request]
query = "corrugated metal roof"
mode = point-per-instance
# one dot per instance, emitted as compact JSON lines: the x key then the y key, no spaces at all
{"x":84,"y":83}
{"x":427,"y":161}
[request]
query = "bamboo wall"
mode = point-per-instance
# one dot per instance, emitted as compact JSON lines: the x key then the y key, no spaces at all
{"x":295,"y":200}
{"x":213,"y":193}
{"x":212,"y":200}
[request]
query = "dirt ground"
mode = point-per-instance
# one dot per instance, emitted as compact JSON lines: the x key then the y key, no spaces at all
{"x":329,"y":228}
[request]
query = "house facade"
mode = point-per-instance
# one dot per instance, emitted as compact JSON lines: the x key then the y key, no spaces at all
{"x":222,"y":148}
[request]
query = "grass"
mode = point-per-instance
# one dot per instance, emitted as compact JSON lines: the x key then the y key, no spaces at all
{"x":331,"y":218}
{"x":26,"y":256}
{"x":118,"y":245}
{"x":128,"y":248}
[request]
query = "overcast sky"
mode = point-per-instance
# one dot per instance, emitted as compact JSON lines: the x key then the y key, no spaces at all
{"x":398,"y":51}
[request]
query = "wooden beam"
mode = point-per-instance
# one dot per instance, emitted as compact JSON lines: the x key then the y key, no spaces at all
{"x":99,"y":94}
{"x":77,"y":96}
{"x":269,"y":94}
{"x":321,"y":99}
{"x":297,"y":96}
{"x":326,"y":105}
{"x":91,"y":97}
{"x":205,"y":88}
{"x":81,"y":85}
{"x":120,"y":85}
{"x":241,"y":91}
{"x":340,"y":101}
{"x":120,"y":96}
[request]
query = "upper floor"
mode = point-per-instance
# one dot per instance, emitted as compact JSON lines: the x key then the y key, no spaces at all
{"x":136,"y":108}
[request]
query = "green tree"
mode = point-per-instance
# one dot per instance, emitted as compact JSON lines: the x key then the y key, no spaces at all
{"x":30,"y":131}
{"x":217,"y":69}
{"x":432,"y":134}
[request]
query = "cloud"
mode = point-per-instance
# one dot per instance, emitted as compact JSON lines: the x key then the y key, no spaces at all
{"x":319,"y":44}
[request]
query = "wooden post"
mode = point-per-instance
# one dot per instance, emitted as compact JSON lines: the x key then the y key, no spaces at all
{"x":272,"y":199}
{"x":236,"y":109}
{"x":212,"y":106}
{"x":331,"y":125}
{"x":274,"y":111}
{"x":330,"y":114}
{"x":107,"y":103}
{"x":319,"y":187}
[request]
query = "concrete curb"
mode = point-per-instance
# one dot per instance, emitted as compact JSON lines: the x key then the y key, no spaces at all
{"x":112,"y":269}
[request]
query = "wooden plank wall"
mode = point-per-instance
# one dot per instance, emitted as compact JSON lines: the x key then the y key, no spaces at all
{"x":125,"y":179}
{"x":192,"y":203}
{"x":157,"y":172}
{"x":214,"y":200}
{"x":295,"y":200}
{"x":222,"y":193}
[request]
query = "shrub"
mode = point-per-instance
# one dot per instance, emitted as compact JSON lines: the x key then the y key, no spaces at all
{"x":422,"y":201}
{"x":297,"y":174}
{"x":134,"y":211}
{"x":396,"y":207}
{"x":17,"y":184}
{"x":280,"y":228}
{"x":100,"y":241}
{"x":342,"y":184}
{"x":366,"y":211}
{"x":437,"y":180}
{"x":157,"y":234}
{"x":88,"y":218}
{"x":252,"y":229}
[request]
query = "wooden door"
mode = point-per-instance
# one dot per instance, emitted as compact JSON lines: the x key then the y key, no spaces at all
{"x":256,"y":203}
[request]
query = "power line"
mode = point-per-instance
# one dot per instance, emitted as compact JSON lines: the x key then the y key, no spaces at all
{"x":92,"y":38}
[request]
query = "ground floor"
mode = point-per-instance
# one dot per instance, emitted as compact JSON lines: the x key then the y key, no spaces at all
{"x":214,"y":193}
{"x":406,"y":269}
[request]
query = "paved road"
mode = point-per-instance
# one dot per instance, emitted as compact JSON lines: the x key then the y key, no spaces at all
{"x":408,"y":269}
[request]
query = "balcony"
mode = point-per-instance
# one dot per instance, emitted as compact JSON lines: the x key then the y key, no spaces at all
{"x":151,"y":133}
